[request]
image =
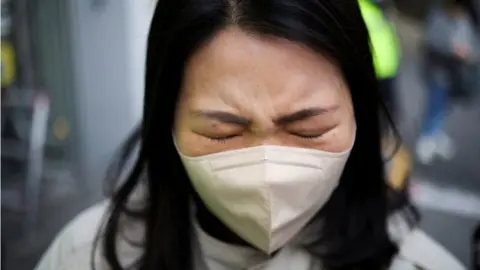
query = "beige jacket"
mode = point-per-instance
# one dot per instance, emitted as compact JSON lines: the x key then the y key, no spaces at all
{"x":72,"y":250}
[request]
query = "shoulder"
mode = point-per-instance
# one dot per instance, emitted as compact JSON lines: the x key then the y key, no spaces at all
{"x":73,"y":246}
{"x":417,"y":250}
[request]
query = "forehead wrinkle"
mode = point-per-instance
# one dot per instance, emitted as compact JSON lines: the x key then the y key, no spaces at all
{"x":260,"y":77}
{"x":303,"y":92}
{"x":217,"y":95}
{"x":241,"y":91}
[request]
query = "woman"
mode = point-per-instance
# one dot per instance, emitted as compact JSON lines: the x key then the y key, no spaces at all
{"x":259,"y":149}
{"x":452,"y":55}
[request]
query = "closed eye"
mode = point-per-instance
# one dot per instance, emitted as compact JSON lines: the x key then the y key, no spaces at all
{"x":220,"y":138}
{"x":307,"y":136}
{"x":312,"y":134}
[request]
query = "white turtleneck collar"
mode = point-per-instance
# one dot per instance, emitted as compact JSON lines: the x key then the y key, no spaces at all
{"x":217,"y":255}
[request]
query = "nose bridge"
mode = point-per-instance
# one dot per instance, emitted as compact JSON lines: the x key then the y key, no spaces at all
{"x":270,"y":140}
{"x":263,"y":128}
{"x":265,"y":136}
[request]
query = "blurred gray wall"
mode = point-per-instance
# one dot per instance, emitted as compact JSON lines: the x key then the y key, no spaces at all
{"x":108,"y":39}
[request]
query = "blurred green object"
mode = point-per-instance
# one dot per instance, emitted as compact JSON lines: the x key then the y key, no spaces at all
{"x":8,"y":64}
{"x":383,"y":38}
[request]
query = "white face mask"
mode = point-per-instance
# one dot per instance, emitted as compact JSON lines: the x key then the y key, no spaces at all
{"x":266,"y":194}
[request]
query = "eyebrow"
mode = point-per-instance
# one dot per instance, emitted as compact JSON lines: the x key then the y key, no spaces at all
{"x":303,"y":115}
{"x":297,"y":116}
{"x":224,"y":117}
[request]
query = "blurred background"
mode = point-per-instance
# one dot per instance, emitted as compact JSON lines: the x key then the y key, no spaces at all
{"x":71,"y":90}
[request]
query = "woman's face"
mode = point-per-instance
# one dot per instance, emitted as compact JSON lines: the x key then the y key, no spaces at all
{"x":241,"y":90}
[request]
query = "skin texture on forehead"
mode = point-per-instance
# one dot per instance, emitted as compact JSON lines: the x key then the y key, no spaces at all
{"x":261,"y":79}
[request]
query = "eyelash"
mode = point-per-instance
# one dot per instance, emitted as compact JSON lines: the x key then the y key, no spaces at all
{"x":307,"y":137}
{"x":224,"y":139}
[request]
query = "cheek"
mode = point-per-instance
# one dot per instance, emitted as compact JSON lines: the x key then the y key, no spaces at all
{"x":181,"y":131}
{"x":189,"y":145}
{"x":342,"y":137}
{"x":192,"y":144}
{"x":187,"y":142}
{"x":347,"y":136}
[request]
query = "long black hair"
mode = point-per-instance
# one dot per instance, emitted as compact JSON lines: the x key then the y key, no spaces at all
{"x":354,"y":235}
